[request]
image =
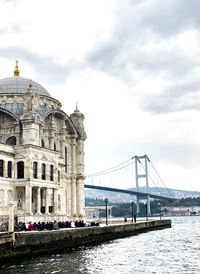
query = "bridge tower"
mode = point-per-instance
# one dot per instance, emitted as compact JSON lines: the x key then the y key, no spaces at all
{"x":138,"y":176}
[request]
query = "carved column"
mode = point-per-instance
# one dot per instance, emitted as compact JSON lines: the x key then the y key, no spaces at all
{"x":80,"y":197}
{"x":39,"y":200}
{"x":73,"y":196}
{"x":28,"y":199}
{"x":47,"y":201}
{"x":62,"y":144}
{"x":55,"y":201}
{"x":12,"y":170}
{"x":5,"y":169}
{"x":11,"y":216}
{"x":73,"y":155}
{"x":73,"y":179}
{"x":69,"y":156}
{"x":51,"y":143}
{"x":69,"y":198}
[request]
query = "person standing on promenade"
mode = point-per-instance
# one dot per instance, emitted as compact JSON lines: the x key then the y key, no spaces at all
{"x":30,"y":227}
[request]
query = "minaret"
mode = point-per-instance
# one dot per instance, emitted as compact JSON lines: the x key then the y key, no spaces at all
{"x":77,"y":118}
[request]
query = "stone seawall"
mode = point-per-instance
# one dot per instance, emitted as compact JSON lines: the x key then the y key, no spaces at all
{"x":48,"y":241}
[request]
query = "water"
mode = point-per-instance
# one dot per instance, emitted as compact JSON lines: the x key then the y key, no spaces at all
{"x":174,"y":250}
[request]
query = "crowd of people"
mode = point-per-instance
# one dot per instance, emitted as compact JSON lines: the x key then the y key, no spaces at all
{"x":40,"y":226}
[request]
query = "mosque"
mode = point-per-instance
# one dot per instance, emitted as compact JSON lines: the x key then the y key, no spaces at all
{"x":41,"y":153}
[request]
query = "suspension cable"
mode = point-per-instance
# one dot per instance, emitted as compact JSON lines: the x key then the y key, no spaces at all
{"x":109,"y":171}
{"x":112,"y":169}
{"x":125,"y":164}
{"x":161,"y":179}
{"x":150,"y":177}
{"x":157,"y":187}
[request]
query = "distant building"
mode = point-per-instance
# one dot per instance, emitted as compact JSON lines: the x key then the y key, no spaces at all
{"x":93,"y":212}
{"x":41,"y":153}
{"x":181,"y":210}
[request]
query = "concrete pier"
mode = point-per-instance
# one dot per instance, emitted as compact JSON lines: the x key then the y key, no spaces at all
{"x":36,"y":242}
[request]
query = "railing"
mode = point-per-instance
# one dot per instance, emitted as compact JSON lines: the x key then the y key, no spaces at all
{"x":41,"y":218}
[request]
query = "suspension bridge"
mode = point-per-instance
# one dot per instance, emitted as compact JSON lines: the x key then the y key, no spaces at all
{"x":137,"y":171}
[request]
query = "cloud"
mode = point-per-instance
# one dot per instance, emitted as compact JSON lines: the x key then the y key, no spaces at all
{"x":164,"y":43}
{"x":164,"y":18}
{"x":11,"y":29}
{"x":48,"y":69}
{"x":170,"y":17}
{"x":10,"y":1}
{"x":160,"y":150}
{"x":177,"y":96}
{"x":123,"y":62}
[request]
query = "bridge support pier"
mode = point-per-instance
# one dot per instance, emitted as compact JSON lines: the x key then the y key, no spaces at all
{"x":137,"y":205}
{"x":145,"y":176}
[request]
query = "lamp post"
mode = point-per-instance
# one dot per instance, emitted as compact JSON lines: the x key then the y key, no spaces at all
{"x":106,"y":204}
{"x":132,"y":211}
{"x":159,"y":205}
{"x":146,"y":211}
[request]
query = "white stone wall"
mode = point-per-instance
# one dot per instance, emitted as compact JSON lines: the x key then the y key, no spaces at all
{"x":63,"y":149}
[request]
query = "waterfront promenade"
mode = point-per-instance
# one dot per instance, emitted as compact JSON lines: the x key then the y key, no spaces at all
{"x":37,"y":242}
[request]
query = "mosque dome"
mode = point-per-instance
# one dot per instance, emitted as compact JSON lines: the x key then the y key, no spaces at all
{"x":18,"y":84}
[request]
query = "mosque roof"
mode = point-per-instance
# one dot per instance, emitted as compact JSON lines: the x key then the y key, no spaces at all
{"x":18,"y":84}
{"x":18,"y":108}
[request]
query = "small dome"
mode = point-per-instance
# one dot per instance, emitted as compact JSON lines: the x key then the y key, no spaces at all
{"x":17,"y":84}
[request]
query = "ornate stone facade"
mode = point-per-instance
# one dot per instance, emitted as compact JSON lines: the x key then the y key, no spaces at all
{"x":41,"y":153}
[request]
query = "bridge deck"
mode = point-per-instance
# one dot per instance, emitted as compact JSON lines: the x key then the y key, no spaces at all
{"x":131,"y":192}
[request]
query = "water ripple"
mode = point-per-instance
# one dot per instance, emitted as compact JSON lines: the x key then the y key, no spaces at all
{"x":167,"y":251}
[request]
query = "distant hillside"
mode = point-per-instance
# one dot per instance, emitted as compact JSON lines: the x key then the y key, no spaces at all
{"x":170,"y":192}
{"x":120,"y":197}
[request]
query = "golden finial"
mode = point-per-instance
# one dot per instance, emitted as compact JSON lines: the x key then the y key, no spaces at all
{"x":16,"y":71}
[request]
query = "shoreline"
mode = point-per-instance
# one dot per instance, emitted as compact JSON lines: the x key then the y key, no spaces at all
{"x":29,"y":243}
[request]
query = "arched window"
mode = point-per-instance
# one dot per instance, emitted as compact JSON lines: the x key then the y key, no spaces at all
{"x":54,"y":147}
{"x":20,"y":170}
{"x":9,"y":169}
{"x":35,"y":170}
{"x":11,"y":141}
{"x":59,"y":202}
{"x":43,"y":172}
{"x":51,"y":172}
{"x":1,"y":167}
{"x":42,"y":143}
{"x":65,"y":159}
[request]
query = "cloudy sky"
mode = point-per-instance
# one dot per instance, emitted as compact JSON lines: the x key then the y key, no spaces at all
{"x":133,"y":66}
